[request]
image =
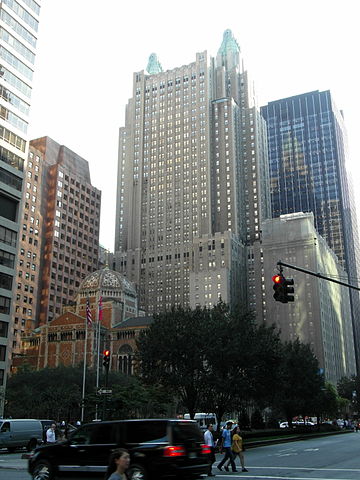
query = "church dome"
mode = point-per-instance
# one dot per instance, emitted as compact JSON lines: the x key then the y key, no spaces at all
{"x":108,"y":283}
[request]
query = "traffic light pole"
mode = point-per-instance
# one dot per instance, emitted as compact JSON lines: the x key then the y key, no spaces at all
{"x":319,"y":275}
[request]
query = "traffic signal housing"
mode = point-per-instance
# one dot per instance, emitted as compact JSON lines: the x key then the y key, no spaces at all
{"x":278,"y":288}
{"x":106,"y":359}
{"x":282,"y":288}
{"x":288,"y":290}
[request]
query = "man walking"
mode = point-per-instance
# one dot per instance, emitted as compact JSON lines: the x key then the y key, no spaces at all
{"x":226,"y":437}
{"x":50,"y":434}
{"x":209,"y":441}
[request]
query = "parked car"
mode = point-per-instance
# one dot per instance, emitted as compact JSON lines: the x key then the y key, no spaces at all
{"x":159,"y":448}
{"x":296,"y":423}
{"x":20,"y":432}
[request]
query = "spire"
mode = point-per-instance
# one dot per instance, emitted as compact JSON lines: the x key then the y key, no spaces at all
{"x":153,"y":65}
{"x":229,"y":44}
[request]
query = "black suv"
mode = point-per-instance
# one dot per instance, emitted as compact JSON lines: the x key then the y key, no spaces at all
{"x":158,"y":448}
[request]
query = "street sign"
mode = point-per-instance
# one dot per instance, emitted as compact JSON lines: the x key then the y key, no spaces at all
{"x":104,"y":391}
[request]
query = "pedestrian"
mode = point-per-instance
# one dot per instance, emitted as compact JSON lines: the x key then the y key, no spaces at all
{"x":50,"y":434}
{"x":209,"y":441}
{"x":119,"y":462}
{"x":226,"y":438}
{"x":237,"y":448}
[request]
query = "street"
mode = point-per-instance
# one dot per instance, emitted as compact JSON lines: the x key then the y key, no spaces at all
{"x":330,"y":458}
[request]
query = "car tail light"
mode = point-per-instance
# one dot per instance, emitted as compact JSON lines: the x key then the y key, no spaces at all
{"x":205,"y":449}
{"x":174,"y":452}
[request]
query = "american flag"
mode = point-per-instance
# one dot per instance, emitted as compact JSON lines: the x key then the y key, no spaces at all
{"x":88,"y":313}
{"x":100,"y":309}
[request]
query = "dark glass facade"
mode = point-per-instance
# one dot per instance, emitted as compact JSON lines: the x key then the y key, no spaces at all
{"x":307,"y":153}
{"x":304,"y":162}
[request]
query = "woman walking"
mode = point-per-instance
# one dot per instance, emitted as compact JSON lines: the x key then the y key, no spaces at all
{"x":237,"y":449}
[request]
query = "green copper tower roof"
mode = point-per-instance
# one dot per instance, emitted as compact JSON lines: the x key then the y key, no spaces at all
{"x":153,"y":65}
{"x":228,"y":44}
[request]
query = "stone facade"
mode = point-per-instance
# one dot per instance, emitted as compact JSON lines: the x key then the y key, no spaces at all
{"x":62,"y":341}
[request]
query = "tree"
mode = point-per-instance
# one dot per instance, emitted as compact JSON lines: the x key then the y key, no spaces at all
{"x":172,"y":352}
{"x":330,"y":401}
{"x":299,"y":381}
{"x":257,"y":420}
{"x":242,"y":361}
{"x":349,"y":388}
{"x":212,"y":359}
{"x":53,"y":393}
{"x":56,"y":393}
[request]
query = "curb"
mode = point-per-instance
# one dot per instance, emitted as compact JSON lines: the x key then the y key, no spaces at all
{"x":292,"y":438}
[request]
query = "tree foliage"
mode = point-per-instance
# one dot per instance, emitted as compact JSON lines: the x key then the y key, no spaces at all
{"x":299,"y":382}
{"x":56,"y":393}
{"x":212,"y":359}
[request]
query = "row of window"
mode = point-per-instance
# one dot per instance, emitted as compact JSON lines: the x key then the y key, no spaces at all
{"x":14,"y":100}
{"x":24,"y":14}
{"x":11,"y":159}
{"x":13,"y":139}
{"x":16,"y":63}
{"x":15,"y":82}
{"x":18,"y":46}
{"x":10,"y":179}
{"x":18,"y":28}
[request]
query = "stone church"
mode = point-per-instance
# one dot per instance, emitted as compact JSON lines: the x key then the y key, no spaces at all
{"x":104,"y":315}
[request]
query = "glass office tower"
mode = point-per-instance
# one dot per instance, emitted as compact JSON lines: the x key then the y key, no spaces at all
{"x":18,"y":36}
{"x":307,"y":155}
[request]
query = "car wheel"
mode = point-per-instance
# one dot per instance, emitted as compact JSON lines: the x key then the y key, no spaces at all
{"x":42,"y":471}
{"x":11,"y":449}
{"x":32,"y":445}
{"x":137,"y":472}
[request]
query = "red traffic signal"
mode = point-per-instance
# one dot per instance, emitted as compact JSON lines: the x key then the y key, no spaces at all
{"x":278,"y":279}
{"x":106,"y":358}
{"x":283,"y":292}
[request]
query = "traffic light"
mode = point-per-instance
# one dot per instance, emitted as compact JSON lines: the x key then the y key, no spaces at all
{"x":279,"y":288}
{"x":106,"y":359}
{"x":288,"y":291}
{"x":283,"y":290}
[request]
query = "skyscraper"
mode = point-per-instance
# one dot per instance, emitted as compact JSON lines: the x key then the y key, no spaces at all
{"x":18,"y":36}
{"x":321,"y":313}
{"x":192,"y":181}
{"x":70,"y":209}
{"x":307,"y":157}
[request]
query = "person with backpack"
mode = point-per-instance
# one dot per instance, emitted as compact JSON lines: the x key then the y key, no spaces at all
{"x":226,"y":445}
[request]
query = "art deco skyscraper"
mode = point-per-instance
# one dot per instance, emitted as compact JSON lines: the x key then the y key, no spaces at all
{"x":18,"y":37}
{"x":307,"y":157}
{"x":192,"y":181}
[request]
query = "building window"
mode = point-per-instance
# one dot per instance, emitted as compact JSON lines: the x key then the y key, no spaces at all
{"x":5,"y":305}
{"x":4,"y":329}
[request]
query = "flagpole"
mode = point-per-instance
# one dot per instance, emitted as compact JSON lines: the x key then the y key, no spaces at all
{"x":98,"y":353}
{"x":84,"y":370}
{"x":88,"y":323}
{"x":98,"y":343}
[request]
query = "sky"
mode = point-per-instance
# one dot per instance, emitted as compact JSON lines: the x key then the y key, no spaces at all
{"x":88,"y":51}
